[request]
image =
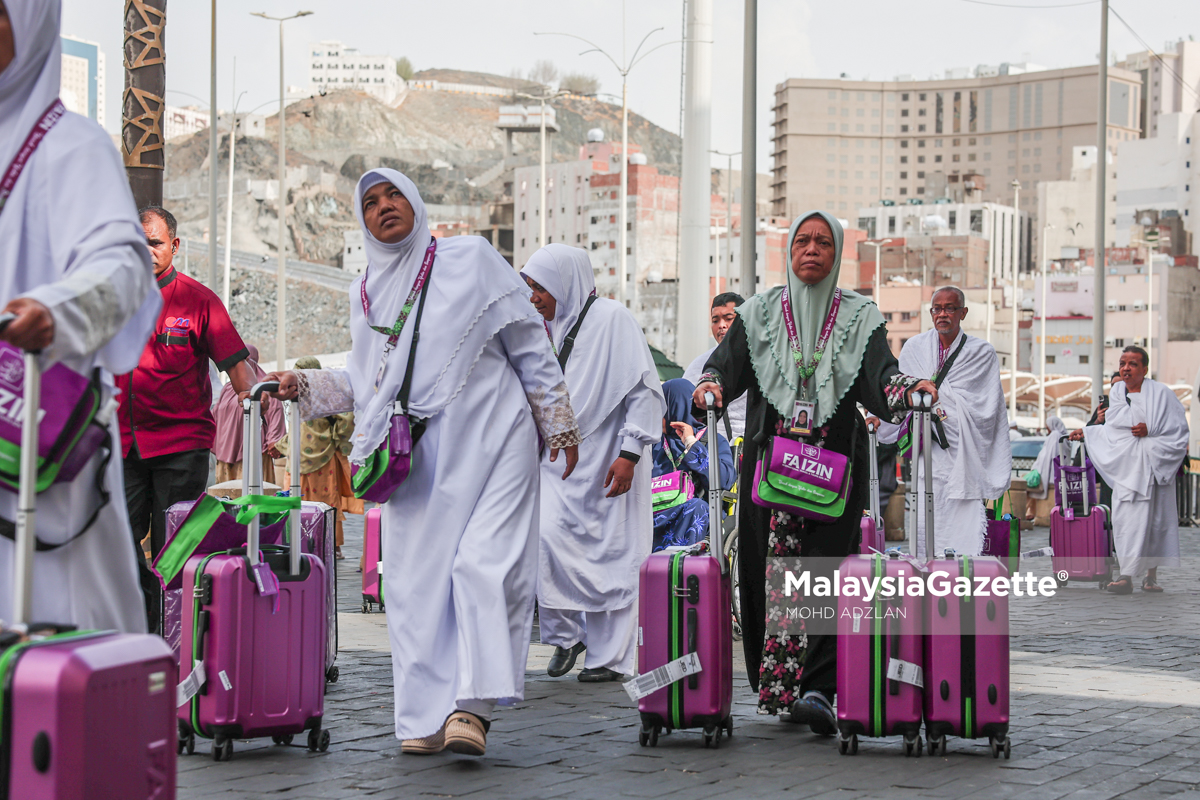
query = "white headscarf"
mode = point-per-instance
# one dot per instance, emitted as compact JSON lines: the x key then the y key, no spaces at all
{"x":611,"y":356}
{"x":472,"y":295}
{"x":30,"y":83}
{"x":1044,"y":464}
{"x":566,"y":273}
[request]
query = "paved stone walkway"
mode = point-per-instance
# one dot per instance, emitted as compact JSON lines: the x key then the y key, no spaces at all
{"x":1105,"y":703}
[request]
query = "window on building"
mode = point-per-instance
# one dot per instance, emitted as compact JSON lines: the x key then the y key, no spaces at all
{"x":953,"y":219}
{"x":523,"y":213}
{"x":920,"y":129}
{"x":970,"y":156}
{"x":937,"y":142}
{"x":1083,"y":359}
{"x":920,"y":159}
{"x":904,"y":112}
{"x":920,"y":112}
{"x":955,"y":158}
{"x":522,"y":243}
{"x":903,"y":190}
{"x":903,"y":176}
{"x":904,"y":129}
{"x":921,"y":176}
{"x":1118,"y":342}
{"x":891,"y":224}
{"x":920,"y":142}
{"x":903,"y":159}
{"x":937,"y":159}
{"x":904,"y":142}
{"x":1049,"y":359}
{"x":906,"y":316}
{"x":904,"y":97}
{"x":957,"y":142}
{"x":920,"y":190}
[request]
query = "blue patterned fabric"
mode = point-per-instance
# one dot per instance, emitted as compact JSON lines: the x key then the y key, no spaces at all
{"x":683,"y":525}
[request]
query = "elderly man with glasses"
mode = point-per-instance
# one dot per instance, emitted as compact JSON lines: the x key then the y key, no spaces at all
{"x":972,"y":457}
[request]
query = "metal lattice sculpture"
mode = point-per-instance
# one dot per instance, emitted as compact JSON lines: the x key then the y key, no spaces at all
{"x":142,"y":105}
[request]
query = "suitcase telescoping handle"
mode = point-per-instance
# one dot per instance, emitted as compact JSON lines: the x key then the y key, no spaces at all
{"x":26,"y":527}
{"x":253,"y":444}
{"x":715,"y":530}
{"x":872,"y":439}
{"x":925,"y":445}
{"x":1083,"y":477}
{"x":294,"y":473}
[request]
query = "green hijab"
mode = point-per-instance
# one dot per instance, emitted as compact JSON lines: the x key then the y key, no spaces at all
{"x":766,"y":334}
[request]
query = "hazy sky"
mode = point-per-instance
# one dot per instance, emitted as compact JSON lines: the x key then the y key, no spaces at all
{"x":874,"y":39}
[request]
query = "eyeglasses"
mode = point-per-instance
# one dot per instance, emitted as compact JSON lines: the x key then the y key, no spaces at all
{"x":939,"y":310}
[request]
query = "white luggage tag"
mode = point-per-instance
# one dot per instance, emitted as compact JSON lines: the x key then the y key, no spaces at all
{"x":188,"y":687}
{"x":668,"y":673}
{"x":906,"y":672}
{"x":1041,"y":552}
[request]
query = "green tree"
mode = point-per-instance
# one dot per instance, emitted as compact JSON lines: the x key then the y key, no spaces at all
{"x":404,"y":68}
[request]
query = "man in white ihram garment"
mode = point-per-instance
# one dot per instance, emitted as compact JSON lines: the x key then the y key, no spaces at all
{"x":597,"y":527}
{"x":721,"y":317}
{"x":75,"y":269}
{"x":1138,"y":450}
{"x":972,"y":457}
{"x":460,"y":549}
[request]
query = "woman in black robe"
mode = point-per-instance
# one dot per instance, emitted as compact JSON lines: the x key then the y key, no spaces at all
{"x":813,"y":347}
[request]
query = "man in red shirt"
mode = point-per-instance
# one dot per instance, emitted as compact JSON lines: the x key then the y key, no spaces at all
{"x":167,"y":426}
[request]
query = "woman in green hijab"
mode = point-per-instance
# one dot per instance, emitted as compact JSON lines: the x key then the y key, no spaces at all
{"x":804,"y":351}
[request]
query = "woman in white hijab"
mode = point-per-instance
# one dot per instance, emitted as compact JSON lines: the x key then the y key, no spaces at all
{"x":75,"y":269}
{"x":597,"y":527}
{"x":460,"y":543}
{"x":1044,"y":466}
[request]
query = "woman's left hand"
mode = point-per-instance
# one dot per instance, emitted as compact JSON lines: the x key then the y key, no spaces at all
{"x":683,"y":430}
{"x":620,"y":475}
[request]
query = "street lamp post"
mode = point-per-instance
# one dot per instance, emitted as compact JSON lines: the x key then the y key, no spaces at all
{"x":878,"y":268}
{"x":542,"y":99}
{"x":1045,"y":300}
{"x":229,"y":203}
{"x":729,"y":217}
{"x":281,"y":277}
{"x":624,"y":69}
{"x":1016,"y":264}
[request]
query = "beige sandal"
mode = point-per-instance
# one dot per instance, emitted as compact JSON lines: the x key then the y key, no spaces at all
{"x":465,"y":734}
{"x":433,"y":743}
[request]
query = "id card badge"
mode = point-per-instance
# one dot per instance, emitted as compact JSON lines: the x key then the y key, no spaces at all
{"x":803,"y":413}
{"x":941,"y":412}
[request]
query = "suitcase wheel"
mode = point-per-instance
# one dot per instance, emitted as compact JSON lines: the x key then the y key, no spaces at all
{"x":222,"y":749}
{"x":648,"y":736}
{"x":285,"y":739}
{"x":729,"y":726}
{"x":937,"y":745}
{"x":331,"y":674}
{"x":1000,"y":746}
{"x":849,"y":744}
{"x":712,"y":737}
{"x":913,"y":746}
{"x":318,"y":740}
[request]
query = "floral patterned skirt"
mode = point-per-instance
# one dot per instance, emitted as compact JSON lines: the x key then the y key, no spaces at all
{"x":785,"y":643}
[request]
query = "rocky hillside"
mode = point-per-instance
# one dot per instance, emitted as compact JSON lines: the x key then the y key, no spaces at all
{"x":443,"y":140}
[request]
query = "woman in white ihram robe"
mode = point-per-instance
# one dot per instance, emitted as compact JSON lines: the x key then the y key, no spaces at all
{"x":70,"y":239}
{"x":593,"y":544}
{"x":460,"y":534}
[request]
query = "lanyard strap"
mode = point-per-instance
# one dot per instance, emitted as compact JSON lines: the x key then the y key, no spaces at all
{"x":569,"y":342}
{"x":49,"y":117}
{"x":944,"y":364}
{"x":808,"y":370}
{"x":393,"y":333}
{"x":406,"y":384}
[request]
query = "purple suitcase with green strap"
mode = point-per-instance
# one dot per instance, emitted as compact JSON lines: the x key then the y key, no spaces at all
{"x":262,"y":651}
{"x":685,"y":608}
{"x":83,"y":714}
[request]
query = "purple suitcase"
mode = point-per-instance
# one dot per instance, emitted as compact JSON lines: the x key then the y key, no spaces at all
{"x":316,"y":537}
{"x":871,"y":635}
{"x":873,"y":539}
{"x":684,"y":607}
{"x":1082,"y":545}
{"x":263,"y":655}
{"x":372,"y":569}
{"x":966,"y":684}
{"x":85,"y":714}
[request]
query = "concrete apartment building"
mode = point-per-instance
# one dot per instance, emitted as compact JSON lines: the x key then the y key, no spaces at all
{"x":842,"y":145}
{"x":1161,"y":175}
{"x":82,"y":83}
{"x":1170,"y":81}
{"x":333,"y":66}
